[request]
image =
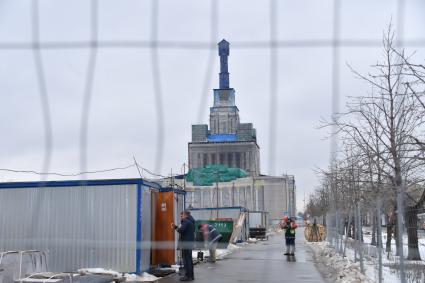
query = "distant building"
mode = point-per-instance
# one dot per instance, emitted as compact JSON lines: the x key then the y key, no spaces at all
{"x":272,"y":194}
{"x":279,"y":195}
{"x":264,"y":193}
{"x":227,"y":141}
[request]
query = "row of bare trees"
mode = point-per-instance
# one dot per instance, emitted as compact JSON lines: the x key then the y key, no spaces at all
{"x":381,"y":149}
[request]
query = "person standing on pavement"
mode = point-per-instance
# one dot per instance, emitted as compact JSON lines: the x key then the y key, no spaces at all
{"x":211,"y":238}
{"x":186,"y":229}
{"x":289,"y":226}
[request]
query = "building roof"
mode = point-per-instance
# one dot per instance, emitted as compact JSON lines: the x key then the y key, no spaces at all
{"x":74,"y":183}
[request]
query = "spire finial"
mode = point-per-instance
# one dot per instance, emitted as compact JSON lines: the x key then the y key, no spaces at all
{"x":223,"y":52}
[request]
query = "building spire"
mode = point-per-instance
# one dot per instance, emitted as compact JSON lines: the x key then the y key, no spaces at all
{"x":223,"y":52}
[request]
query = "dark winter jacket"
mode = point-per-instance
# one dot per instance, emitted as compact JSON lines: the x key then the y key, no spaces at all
{"x":190,"y":218}
{"x":213,"y":235}
{"x":187,"y":233}
{"x":289,"y":231}
{"x":210,"y":234}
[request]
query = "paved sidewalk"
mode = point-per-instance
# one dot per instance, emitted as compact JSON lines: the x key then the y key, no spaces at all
{"x":260,"y":262}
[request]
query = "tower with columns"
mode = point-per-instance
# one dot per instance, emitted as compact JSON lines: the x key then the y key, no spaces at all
{"x":225,"y":140}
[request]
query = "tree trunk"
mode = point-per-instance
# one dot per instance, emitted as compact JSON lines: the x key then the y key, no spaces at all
{"x":412,"y":233}
{"x":345,"y":232}
{"x":373,"y":242}
{"x":398,"y":245}
{"x":389,"y":234}
{"x":352,"y":228}
{"x":399,"y":187}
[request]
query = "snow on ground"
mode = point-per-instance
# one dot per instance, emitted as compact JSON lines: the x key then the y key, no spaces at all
{"x":370,"y":263}
{"x":415,"y":271}
{"x":145,"y":277}
{"x":367,"y":238}
{"x":100,"y":271}
{"x":220,"y":254}
{"x":342,"y":270}
{"x":129,"y":277}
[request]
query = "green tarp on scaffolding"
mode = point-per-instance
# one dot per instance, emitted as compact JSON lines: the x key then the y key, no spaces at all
{"x":210,"y":174}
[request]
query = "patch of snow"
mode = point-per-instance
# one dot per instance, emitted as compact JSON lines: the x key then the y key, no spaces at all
{"x":145,"y":277}
{"x":233,"y":247}
{"x":344,"y":270}
{"x":99,"y":270}
{"x":176,"y":267}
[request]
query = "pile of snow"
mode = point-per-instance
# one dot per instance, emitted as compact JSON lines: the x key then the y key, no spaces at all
{"x":100,"y":271}
{"x":221,"y":253}
{"x":252,"y":240}
{"x":145,"y":277}
{"x":343,"y":270}
{"x":176,"y":267}
{"x":129,"y":277}
{"x":233,"y":247}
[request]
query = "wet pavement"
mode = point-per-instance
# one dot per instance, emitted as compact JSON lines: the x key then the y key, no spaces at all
{"x":260,"y":262}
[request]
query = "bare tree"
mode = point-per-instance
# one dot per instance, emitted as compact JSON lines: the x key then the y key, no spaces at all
{"x":383,"y":125}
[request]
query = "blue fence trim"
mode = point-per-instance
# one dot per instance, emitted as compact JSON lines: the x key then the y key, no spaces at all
{"x":75,"y":183}
{"x":139,"y":229}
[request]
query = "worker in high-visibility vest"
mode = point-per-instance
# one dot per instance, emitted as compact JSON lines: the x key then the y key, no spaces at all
{"x":289,"y":226}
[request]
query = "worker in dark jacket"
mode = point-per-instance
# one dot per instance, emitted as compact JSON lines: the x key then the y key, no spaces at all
{"x":289,"y":226}
{"x":186,"y":229}
{"x":190,"y":217}
{"x":211,"y":238}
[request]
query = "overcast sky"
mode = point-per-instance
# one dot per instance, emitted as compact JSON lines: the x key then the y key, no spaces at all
{"x":123,"y":116}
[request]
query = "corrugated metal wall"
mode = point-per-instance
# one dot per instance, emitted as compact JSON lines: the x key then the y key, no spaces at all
{"x":146,"y":228}
{"x":79,"y":226}
{"x":179,"y":206}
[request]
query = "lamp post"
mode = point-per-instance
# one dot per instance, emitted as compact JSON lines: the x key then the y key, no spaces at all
{"x":216,"y":188}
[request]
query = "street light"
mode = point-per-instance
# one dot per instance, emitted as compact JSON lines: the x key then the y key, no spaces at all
{"x":216,"y":187}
